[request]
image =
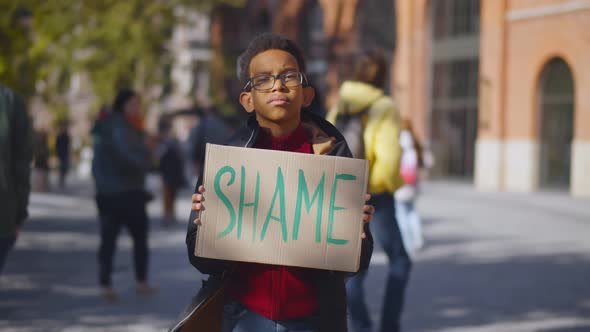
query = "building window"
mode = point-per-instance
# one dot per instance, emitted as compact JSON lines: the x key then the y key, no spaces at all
{"x":453,"y":117}
{"x":455,"y":18}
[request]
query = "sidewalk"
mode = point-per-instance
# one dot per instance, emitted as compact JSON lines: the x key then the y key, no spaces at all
{"x":50,"y":280}
{"x":500,"y":262}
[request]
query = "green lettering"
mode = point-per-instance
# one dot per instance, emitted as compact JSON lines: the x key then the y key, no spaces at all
{"x":345,"y":177}
{"x":224,"y":199}
{"x":303,"y":193}
{"x":243,"y":205}
{"x":280,"y":193}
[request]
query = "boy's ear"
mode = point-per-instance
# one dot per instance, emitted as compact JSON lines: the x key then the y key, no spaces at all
{"x":308,"y":94}
{"x":247,"y":102}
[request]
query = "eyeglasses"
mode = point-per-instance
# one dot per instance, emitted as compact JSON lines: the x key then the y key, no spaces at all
{"x":266,"y":82}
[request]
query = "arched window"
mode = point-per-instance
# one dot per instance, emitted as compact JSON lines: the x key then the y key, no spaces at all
{"x":556,"y":102}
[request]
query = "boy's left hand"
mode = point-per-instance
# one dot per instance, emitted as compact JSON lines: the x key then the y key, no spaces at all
{"x":368,"y":211}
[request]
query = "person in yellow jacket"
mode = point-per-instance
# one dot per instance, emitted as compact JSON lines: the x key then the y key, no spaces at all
{"x":363,"y":101}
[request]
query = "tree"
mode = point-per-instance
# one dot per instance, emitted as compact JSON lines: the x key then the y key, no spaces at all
{"x":14,"y":45}
{"x":116,"y":43}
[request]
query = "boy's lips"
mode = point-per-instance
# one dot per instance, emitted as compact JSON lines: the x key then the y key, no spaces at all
{"x":278,"y":100}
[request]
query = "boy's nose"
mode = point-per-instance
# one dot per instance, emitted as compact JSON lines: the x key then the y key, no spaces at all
{"x":278,"y":85}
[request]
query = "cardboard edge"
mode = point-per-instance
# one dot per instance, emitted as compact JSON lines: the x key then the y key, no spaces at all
{"x":360,"y":243}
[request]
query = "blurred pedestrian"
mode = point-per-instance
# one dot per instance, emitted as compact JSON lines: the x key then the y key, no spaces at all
{"x":41,"y":161}
{"x":369,"y":120}
{"x":171,"y":166}
{"x":210,"y":129}
{"x":405,"y":198}
{"x":121,"y":160}
{"x":317,"y":104}
{"x":62,"y":147}
{"x":15,"y":168}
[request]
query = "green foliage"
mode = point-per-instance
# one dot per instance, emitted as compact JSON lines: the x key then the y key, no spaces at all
{"x":117,"y":43}
{"x":14,"y":45}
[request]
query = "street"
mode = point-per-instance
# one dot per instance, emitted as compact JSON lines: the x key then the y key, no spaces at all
{"x":492,"y":262}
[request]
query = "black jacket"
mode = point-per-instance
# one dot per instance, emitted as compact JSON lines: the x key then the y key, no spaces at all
{"x":121,"y":159}
{"x":329,"y":284}
{"x":16,"y":149}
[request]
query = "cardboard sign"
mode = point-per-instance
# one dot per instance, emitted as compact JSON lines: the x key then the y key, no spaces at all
{"x":282,"y":208}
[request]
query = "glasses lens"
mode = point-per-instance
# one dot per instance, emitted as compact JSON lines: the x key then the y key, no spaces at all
{"x":292,"y":79}
{"x":263,"y":82}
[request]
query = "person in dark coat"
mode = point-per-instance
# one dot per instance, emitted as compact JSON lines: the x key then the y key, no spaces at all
{"x":171,"y":166}
{"x":16,"y":150}
{"x":121,"y":161}
{"x":62,"y":147}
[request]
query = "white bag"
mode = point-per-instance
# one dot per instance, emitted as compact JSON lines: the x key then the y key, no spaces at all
{"x":410,"y":227}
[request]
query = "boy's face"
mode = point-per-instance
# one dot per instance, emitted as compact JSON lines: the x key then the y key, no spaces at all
{"x":280,"y":106}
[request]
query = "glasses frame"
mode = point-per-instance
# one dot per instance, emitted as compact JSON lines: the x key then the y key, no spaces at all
{"x":249,"y":86}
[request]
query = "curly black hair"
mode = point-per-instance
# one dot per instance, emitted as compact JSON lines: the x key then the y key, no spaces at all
{"x":265,"y":42}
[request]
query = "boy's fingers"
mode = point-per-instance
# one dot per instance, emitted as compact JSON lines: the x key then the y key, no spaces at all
{"x":370,"y":209}
{"x":197,"y":221}
{"x":201,"y":189}
{"x":363,"y":236}
{"x":367,"y":197}
{"x":366,"y":218}
{"x":197,"y":198}
{"x":197,"y":207}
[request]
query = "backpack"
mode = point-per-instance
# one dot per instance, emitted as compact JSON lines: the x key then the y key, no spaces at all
{"x":352,"y":127}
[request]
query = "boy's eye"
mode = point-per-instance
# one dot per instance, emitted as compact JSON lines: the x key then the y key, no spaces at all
{"x":290,"y":76}
{"x":261,"y":80}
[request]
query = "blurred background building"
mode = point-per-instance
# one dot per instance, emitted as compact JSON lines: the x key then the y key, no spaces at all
{"x":329,"y":32}
{"x":188,"y":73}
{"x":497,"y":87}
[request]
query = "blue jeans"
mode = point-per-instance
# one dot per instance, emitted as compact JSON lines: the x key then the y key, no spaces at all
{"x":385,"y":228}
{"x":238,"y":318}
{"x":6,"y":244}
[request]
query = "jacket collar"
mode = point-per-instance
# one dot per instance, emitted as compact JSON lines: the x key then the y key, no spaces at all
{"x":324,"y":136}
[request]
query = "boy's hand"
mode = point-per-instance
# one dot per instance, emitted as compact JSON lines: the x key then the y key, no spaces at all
{"x":368,"y":211}
{"x":198,"y":203}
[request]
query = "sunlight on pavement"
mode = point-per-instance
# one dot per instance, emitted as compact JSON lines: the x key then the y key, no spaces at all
{"x":548,"y":324}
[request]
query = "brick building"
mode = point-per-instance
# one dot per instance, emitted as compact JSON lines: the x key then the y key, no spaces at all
{"x":526,"y":126}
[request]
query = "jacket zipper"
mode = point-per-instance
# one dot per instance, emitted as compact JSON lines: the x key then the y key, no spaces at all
{"x":250,"y":139}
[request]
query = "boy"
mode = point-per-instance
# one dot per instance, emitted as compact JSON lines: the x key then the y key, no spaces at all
{"x":268,"y":297}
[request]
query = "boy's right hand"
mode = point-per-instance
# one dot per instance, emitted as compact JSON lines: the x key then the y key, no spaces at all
{"x":198,"y":203}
